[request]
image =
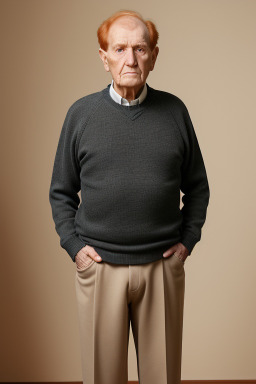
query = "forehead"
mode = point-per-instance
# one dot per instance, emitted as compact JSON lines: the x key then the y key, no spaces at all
{"x":128,"y":30}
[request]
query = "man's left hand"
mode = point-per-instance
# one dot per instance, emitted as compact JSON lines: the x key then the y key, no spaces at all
{"x":181,"y":251}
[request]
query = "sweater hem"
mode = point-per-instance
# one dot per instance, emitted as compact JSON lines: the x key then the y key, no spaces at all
{"x":131,"y":258}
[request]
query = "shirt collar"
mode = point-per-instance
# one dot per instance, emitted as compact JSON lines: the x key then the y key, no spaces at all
{"x":121,"y":100}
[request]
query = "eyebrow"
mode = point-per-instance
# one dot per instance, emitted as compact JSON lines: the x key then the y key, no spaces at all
{"x":135,"y":45}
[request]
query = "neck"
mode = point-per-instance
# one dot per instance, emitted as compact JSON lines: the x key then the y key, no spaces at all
{"x":128,"y":93}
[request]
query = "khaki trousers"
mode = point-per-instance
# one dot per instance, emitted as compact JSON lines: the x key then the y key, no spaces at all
{"x":150,"y":297}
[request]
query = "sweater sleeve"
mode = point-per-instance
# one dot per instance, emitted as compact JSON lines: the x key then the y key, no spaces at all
{"x":194,"y":185}
{"x":65,"y":185}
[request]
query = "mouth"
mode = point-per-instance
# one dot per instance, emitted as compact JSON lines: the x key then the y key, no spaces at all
{"x":130,"y":73}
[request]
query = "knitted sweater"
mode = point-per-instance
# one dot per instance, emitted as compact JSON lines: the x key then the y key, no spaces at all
{"x":130,"y":163}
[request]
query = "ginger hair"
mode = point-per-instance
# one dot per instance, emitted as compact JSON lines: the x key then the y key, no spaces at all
{"x":102,"y":32}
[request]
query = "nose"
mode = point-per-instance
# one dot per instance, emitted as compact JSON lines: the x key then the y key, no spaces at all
{"x":131,"y":57}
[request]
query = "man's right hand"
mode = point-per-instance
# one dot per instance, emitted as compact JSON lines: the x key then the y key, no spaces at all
{"x":84,"y":256}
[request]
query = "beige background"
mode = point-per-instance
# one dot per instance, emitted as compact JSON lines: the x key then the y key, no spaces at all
{"x":49,"y":60}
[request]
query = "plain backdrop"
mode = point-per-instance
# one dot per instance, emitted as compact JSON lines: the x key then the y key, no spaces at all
{"x":49,"y":59}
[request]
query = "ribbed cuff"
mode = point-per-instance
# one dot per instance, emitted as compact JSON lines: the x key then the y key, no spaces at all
{"x":189,"y":240}
{"x":73,"y":245}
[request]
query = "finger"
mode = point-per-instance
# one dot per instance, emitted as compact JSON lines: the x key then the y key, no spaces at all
{"x":84,"y":261}
{"x":94,"y":255}
{"x":168,"y":253}
{"x":90,"y":251}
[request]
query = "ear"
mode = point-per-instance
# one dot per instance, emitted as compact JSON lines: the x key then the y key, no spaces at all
{"x":154,"y":57}
{"x":103,"y":56}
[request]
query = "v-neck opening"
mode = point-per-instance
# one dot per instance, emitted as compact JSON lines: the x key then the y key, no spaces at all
{"x":131,"y":111}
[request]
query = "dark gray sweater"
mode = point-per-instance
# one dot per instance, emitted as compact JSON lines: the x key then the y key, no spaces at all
{"x":130,"y":163}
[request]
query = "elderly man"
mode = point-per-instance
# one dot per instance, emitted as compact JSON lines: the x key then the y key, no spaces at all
{"x":130,"y":149}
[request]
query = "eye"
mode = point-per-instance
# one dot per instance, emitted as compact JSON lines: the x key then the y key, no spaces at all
{"x":119,"y":49}
{"x":141,"y":49}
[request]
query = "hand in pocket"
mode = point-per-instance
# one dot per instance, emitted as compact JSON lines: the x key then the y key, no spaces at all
{"x":85,"y":256}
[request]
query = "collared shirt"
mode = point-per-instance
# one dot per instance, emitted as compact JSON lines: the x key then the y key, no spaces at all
{"x":121,"y":100}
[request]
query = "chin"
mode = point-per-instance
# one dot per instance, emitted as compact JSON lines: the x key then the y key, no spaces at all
{"x":132,"y":82}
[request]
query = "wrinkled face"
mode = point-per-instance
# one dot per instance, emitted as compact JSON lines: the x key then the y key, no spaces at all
{"x":128,"y":58}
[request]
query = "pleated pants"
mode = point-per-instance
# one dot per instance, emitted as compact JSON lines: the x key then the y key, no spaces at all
{"x":148,"y":296}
